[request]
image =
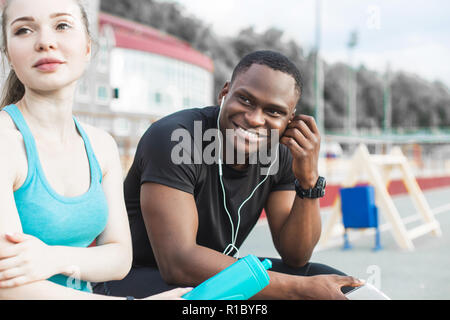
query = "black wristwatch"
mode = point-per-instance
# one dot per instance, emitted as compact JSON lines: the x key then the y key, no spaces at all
{"x":313,"y":193}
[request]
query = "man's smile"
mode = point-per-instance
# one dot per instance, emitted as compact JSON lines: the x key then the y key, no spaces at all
{"x":251,"y":135}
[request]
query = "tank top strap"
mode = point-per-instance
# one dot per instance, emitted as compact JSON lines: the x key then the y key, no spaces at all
{"x":22,"y":126}
{"x":96,"y":170}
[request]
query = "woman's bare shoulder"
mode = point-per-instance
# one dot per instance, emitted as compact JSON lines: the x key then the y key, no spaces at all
{"x":10,"y":136}
{"x":13,"y":154}
{"x":103,"y":144}
{"x":100,"y":138}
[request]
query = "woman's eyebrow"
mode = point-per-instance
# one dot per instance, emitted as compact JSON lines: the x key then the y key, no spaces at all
{"x":59,"y":14}
{"x":54,"y":15}
{"x":22,"y":19}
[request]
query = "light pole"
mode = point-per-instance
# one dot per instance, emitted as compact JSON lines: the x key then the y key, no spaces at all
{"x":387,"y":101}
{"x":351,"y":98}
{"x":318,"y":72}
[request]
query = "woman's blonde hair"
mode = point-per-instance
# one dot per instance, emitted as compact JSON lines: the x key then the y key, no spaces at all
{"x":13,"y":89}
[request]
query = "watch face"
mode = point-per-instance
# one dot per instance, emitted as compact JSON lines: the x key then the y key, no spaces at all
{"x":321,"y":183}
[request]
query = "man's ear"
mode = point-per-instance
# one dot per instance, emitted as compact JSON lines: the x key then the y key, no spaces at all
{"x":292,"y":115}
{"x":223,"y":92}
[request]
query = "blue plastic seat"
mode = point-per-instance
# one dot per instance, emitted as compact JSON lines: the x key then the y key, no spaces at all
{"x":359,"y":211}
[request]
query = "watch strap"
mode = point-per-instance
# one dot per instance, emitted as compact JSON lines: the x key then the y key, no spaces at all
{"x":313,"y":193}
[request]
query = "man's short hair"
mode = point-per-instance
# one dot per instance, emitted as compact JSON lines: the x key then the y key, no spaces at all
{"x":273,"y":60}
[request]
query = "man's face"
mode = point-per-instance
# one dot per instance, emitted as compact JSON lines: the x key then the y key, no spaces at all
{"x":259,"y":100}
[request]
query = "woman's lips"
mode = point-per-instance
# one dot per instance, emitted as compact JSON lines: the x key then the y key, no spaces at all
{"x":48,"y":65}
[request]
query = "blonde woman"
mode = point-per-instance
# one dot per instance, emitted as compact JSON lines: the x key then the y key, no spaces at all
{"x":60,"y":181}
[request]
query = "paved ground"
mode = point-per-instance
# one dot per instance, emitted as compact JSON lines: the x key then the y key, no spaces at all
{"x":421,"y":274}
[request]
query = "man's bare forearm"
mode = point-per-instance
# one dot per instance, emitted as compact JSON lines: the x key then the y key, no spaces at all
{"x":300,"y":232}
{"x":202,"y":263}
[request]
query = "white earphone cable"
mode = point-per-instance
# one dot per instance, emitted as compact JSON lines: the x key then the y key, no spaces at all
{"x":232,"y":246}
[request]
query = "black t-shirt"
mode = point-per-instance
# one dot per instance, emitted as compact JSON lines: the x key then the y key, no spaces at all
{"x":153,"y":163}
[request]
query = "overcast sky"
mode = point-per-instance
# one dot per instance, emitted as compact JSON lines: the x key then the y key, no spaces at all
{"x":410,"y":35}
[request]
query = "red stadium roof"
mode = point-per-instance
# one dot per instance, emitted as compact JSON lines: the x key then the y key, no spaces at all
{"x":132,"y":35}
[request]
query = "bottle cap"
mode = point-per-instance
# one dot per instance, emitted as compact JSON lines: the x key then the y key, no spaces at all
{"x":267,"y":264}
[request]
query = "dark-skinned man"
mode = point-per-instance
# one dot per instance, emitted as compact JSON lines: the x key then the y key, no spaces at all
{"x":188,"y":219}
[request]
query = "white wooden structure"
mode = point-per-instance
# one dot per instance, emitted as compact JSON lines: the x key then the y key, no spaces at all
{"x":377,"y":168}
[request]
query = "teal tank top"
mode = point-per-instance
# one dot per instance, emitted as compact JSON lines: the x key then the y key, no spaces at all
{"x":54,"y":219}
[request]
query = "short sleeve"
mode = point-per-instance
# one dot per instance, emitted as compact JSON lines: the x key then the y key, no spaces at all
{"x":285,"y":178}
{"x":165,"y":156}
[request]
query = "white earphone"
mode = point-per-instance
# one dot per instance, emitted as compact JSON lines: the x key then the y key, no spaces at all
{"x":229,"y":249}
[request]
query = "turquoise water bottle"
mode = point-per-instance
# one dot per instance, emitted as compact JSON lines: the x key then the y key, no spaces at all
{"x":240,"y":281}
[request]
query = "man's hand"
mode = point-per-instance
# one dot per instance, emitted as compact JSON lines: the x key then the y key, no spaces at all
{"x":327,"y":287}
{"x":295,"y":224}
{"x":302,"y":137}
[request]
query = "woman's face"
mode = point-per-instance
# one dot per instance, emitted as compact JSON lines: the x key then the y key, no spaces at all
{"x":47,"y":43}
